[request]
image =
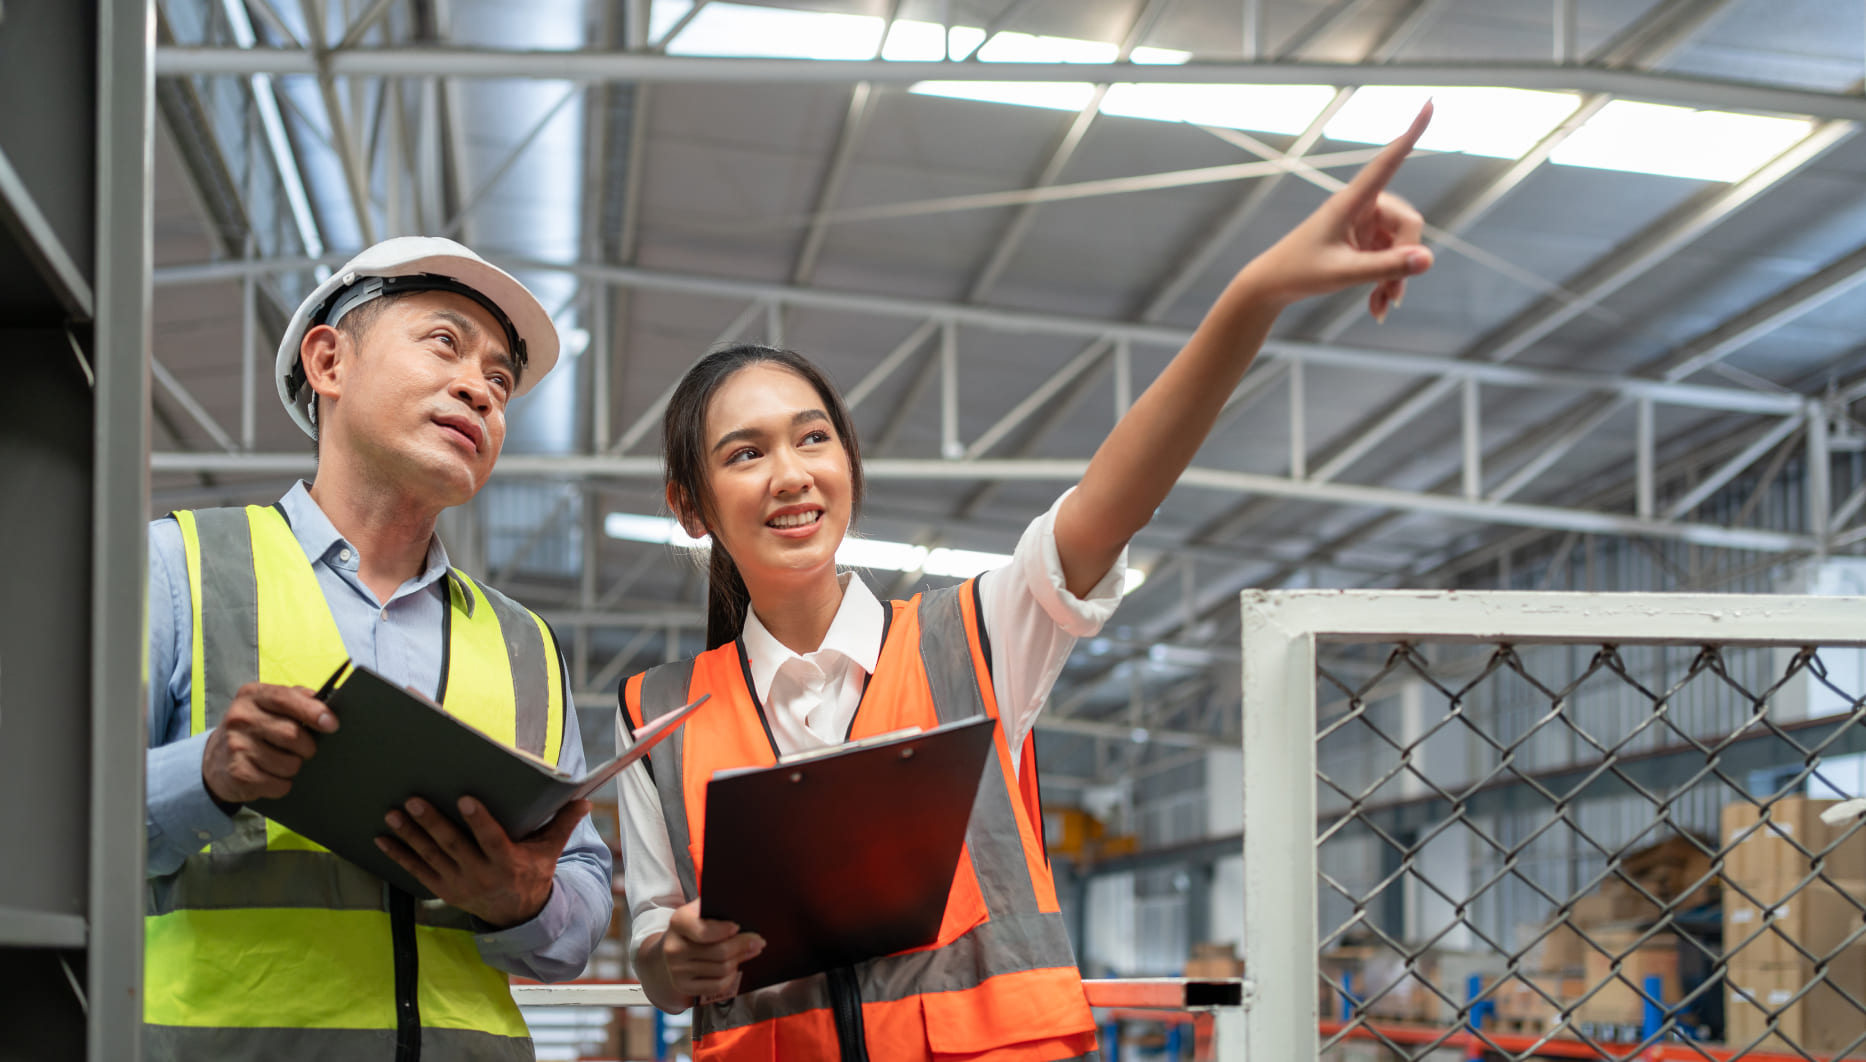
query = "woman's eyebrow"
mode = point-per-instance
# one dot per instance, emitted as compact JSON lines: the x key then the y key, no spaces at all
{"x":802,"y":416}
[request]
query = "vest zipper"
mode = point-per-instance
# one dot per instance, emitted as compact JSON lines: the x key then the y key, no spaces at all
{"x":407,"y":975}
{"x":845,"y":1003}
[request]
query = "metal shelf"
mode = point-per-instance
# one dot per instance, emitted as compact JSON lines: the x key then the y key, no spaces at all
{"x":34,"y":242}
{"x":40,"y":929}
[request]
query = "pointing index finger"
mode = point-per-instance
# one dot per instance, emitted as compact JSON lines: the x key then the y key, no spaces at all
{"x":1373,"y":178}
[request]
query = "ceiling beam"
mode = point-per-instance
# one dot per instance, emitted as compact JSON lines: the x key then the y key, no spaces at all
{"x":1070,"y":471}
{"x":1087,"y":328}
{"x":174,"y":60}
{"x":863,"y":99}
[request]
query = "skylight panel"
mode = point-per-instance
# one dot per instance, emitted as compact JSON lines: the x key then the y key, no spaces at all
{"x":912,"y":41}
{"x":1159,"y":56}
{"x":663,"y":14}
{"x":1027,"y":48}
{"x":1678,"y":141}
{"x":1262,"y":108}
{"x":1501,"y":123}
{"x":1054,"y":95}
{"x":722,"y":29}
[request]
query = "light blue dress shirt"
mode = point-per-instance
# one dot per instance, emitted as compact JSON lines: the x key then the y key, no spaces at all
{"x":399,"y":638}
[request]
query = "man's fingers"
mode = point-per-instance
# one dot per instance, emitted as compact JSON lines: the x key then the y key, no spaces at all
{"x":267,"y":758}
{"x":1373,"y":178}
{"x":459,"y":846}
{"x":251,"y":780}
{"x":409,"y":861}
{"x":487,"y":833}
{"x":295,"y":703}
{"x":411,"y":833}
{"x":286,"y":735}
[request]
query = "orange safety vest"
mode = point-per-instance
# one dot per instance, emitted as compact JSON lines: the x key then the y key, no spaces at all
{"x":1000,"y":983}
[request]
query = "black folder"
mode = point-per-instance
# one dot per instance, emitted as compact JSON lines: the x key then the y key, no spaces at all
{"x":844,"y":856}
{"x":392,"y":743}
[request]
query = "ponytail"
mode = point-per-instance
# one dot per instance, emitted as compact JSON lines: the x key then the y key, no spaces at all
{"x":726,"y":598}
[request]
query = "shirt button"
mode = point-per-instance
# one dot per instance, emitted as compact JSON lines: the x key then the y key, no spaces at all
{"x":343,"y":555}
{"x":384,"y":614}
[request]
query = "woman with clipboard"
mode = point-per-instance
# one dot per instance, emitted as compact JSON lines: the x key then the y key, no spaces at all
{"x":762,"y":456}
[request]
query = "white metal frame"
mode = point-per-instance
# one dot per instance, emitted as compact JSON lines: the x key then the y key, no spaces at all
{"x":1281,"y":632}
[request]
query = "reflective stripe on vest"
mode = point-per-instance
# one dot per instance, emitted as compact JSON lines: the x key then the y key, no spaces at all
{"x":264,"y":944}
{"x":1000,"y":982}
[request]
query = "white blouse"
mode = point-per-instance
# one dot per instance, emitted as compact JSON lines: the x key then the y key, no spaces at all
{"x":810,"y":699}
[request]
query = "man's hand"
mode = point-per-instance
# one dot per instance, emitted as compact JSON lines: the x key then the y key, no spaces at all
{"x":483,"y":872}
{"x":263,"y":740}
{"x":702,"y":956}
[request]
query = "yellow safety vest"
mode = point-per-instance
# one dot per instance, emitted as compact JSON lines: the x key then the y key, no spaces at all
{"x":266,"y":945}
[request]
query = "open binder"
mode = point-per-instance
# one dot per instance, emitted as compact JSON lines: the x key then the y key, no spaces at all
{"x":844,"y":856}
{"x":393,"y":743}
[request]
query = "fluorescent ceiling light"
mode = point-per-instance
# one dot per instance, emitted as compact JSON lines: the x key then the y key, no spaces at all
{"x":1493,"y":122}
{"x":1286,"y":109}
{"x":1502,"y":123}
{"x":870,"y":553}
{"x":1678,"y":141}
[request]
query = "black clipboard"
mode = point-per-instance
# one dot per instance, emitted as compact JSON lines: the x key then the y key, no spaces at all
{"x":844,"y":856}
{"x":392,"y":743}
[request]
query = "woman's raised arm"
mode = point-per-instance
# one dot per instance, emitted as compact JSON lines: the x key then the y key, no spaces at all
{"x":1361,"y":234}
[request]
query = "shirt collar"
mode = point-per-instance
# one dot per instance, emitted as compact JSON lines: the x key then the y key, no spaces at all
{"x":321,"y":541}
{"x":855,"y":633}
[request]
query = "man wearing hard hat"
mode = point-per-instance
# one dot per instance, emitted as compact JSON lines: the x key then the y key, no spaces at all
{"x":260,"y":943}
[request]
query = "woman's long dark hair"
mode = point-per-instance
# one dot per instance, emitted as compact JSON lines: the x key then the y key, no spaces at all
{"x":683,"y":449}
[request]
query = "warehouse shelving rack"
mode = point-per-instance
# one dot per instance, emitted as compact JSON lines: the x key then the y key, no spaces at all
{"x":75,"y":158}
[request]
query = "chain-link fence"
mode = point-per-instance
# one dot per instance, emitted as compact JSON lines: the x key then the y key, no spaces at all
{"x":1557,"y":825}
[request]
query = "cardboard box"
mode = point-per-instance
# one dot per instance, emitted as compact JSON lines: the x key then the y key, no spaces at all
{"x":1387,"y":985}
{"x":1562,"y":950}
{"x":1623,"y":970}
{"x":1676,"y":870}
{"x":1821,"y":1021}
{"x":1766,"y":862}
{"x":1614,"y":902}
{"x":1214,"y":959}
{"x":631,"y":1034}
{"x":1537,"y":1001}
{"x":1820,"y":918}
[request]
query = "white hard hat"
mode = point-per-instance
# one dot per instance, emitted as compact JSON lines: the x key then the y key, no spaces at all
{"x":416,"y":263}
